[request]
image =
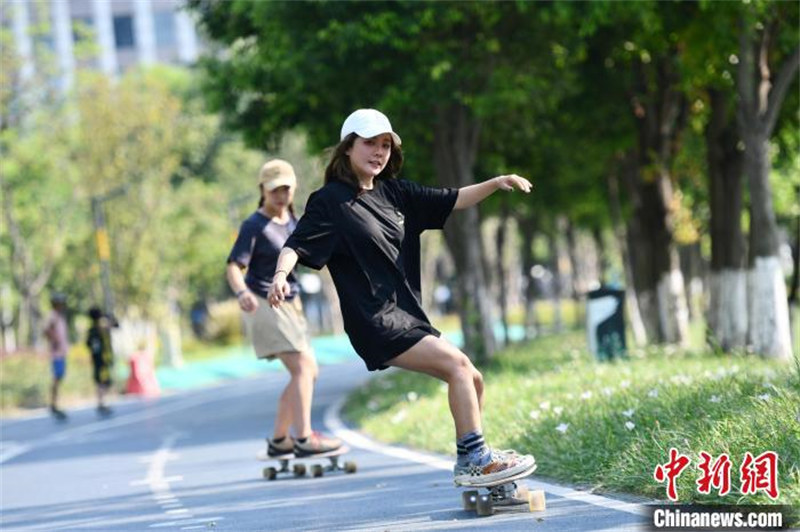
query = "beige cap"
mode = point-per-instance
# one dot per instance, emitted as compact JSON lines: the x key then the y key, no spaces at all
{"x":277,"y":173}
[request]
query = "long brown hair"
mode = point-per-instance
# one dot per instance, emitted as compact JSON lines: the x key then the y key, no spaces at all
{"x":339,"y":168}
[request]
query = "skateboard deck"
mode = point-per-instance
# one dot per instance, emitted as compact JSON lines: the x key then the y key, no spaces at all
{"x":506,"y":494}
{"x":298,"y":469}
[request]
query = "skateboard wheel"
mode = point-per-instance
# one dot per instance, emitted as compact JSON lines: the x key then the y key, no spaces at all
{"x":522,"y":492}
{"x":484,"y":505}
{"x":350,"y":467}
{"x":316,"y":471}
{"x":299,"y":470}
{"x":270,"y":473}
{"x":469,"y":499}
{"x":536,"y":501}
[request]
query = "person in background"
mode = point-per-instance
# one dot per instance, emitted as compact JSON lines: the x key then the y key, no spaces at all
{"x":277,"y":333}
{"x":99,"y":344}
{"x":58,"y":343}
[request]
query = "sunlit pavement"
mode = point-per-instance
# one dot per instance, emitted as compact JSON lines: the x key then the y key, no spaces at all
{"x":187,"y":462}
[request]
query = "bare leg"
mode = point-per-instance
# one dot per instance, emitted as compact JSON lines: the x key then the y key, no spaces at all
{"x":436,"y":357}
{"x":54,"y":393}
{"x":294,"y":405}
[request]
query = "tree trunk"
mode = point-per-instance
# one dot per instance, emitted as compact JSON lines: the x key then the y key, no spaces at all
{"x":768,"y":330}
{"x":638,"y":327}
{"x":455,"y":145}
{"x":527,"y":230}
{"x":557,"y":266}
{"x":500,"y":268}
{"x":602,"y":256}
{"x":727,"y":309}
{"x":576,"y":269}
{"x":660,"y":110}
{"x":760,"y":99}
{"x":28,"y":278}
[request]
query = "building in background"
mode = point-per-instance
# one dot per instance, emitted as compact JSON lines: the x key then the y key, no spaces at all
{"x":125,"y":33}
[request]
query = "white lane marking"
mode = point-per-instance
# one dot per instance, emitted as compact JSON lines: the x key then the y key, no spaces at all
{"x":14,"y":451}
{"x":159,"y":483}
{"x":334,"y":423}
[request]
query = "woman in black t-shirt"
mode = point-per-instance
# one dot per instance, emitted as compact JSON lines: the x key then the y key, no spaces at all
{"x":277,"y":333}
{"x":365,"y":225}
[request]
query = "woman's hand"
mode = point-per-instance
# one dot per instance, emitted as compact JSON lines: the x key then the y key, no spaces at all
{"x":279,"y":290}
{"x":512,"y":181}
{"x":247,"y":301}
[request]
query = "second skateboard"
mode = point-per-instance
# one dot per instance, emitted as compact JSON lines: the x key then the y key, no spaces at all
{"x":298,"y":468}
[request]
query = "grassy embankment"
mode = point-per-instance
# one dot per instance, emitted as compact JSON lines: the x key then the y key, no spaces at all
{"x":607,"y":425}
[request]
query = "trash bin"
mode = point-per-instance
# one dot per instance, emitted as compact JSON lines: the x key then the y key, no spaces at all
{"x":605,"y":322}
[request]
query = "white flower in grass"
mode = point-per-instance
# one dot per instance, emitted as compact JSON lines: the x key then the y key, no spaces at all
{"x":629,"y":425}
{"x":715,"y":399}
{"x":562,"y":428}
{"x":398,"y":417}
{"x":372,"y":405}
{"x":535,"y":414}
{"x":625,"y":384}
{"x":628,"y":413}
{"x":607,"y":391}
{"x":544,"y":405}
{"x":652,"y":393}
{"x":412,"y":396}
{"x":557,"y":410}
{"x":765,"y":397}
{"x":681,"y":379}
{"x":586,"y":395}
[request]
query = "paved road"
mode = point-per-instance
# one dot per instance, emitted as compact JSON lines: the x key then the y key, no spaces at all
{"x":186,"y":462}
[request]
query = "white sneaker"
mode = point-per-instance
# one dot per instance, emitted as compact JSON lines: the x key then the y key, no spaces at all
{"x":502,"y":465}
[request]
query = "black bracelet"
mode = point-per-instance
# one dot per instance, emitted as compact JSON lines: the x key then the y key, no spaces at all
{"x":240,"y":292}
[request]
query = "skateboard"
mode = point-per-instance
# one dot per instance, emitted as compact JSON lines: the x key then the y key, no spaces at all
{"x":299,"y":469}
{"x":506,"y":494}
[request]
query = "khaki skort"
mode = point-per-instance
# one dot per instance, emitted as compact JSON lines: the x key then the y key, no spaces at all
{"x":277,"y":330}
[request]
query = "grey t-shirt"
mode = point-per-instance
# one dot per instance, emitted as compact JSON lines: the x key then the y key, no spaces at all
{"x":257,"y":247}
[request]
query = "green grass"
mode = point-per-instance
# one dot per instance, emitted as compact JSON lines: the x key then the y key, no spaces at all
{"x":693,"y":401}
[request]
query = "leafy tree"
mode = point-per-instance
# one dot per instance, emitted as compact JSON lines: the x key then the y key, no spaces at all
{"x":769,"y":58}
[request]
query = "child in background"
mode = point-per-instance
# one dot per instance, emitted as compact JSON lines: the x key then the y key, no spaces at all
{"x":99,"y":346}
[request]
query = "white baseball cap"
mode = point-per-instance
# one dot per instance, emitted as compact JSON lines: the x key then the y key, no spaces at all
{"x":368,"y":123}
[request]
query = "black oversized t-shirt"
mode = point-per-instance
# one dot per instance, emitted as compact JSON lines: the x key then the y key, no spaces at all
{"x":370,"y":243}
{"x":257,"y":247}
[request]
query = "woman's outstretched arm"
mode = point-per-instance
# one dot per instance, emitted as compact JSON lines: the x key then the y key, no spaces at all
{"x":474,"y":194}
